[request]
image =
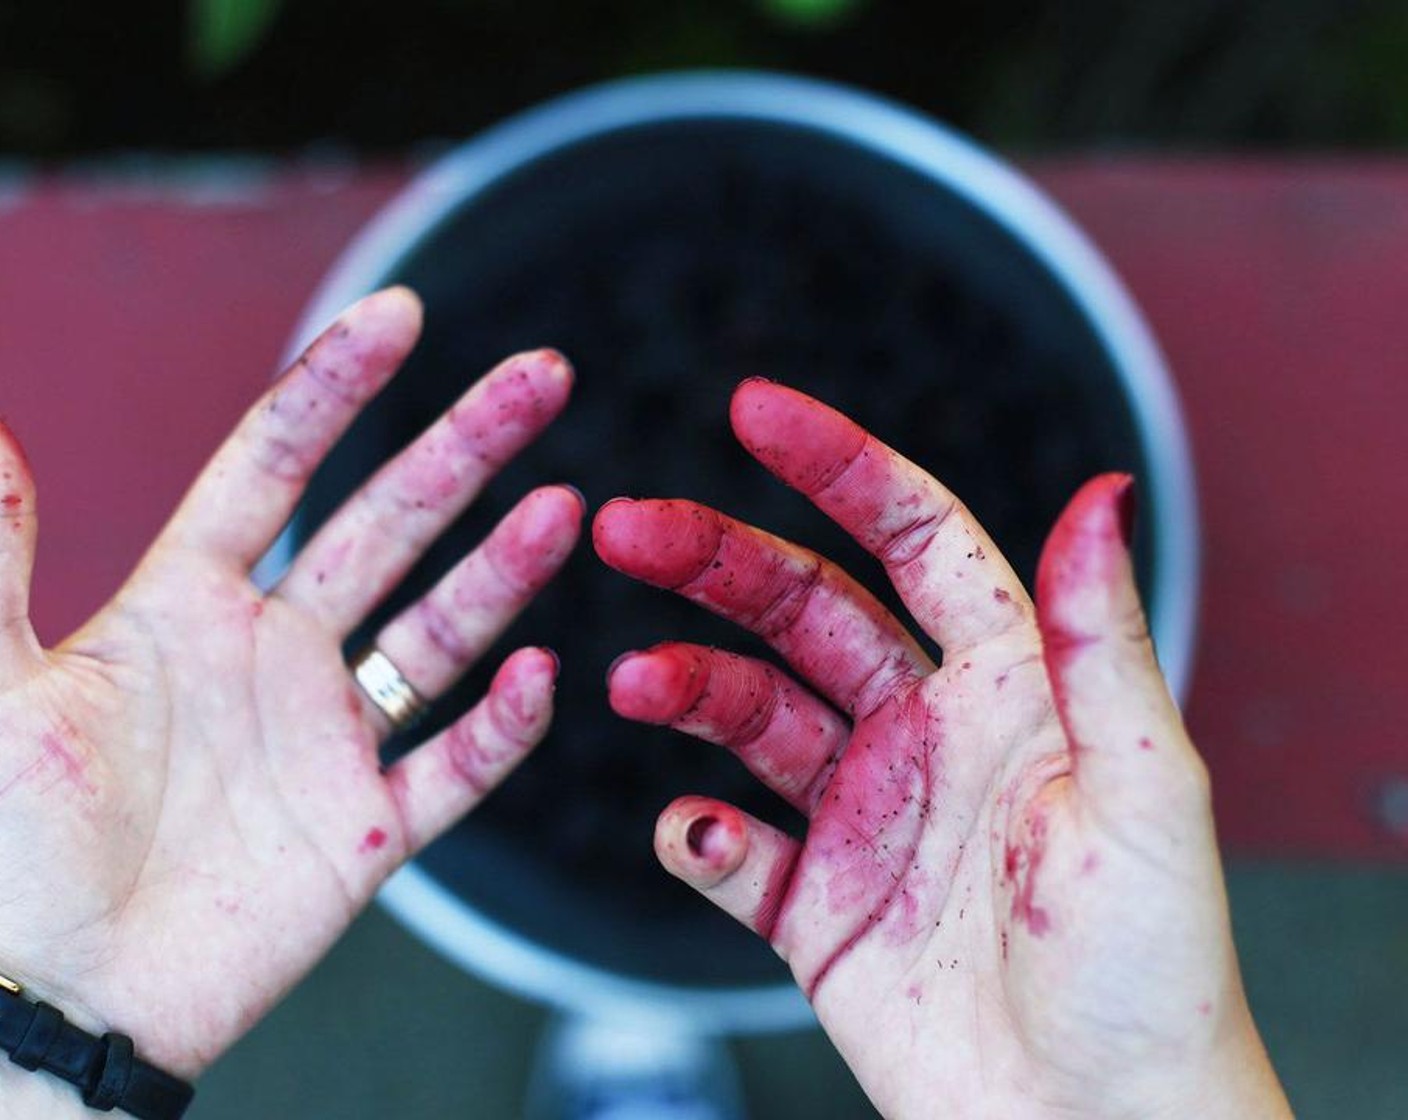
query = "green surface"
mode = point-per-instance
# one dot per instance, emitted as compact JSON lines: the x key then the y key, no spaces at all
{"x":385,"y":1028}
{"x":82,"y":77}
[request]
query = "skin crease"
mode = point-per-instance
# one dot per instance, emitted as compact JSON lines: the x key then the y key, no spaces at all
{"x":1009,"y":901}
{"x":192,"y":807}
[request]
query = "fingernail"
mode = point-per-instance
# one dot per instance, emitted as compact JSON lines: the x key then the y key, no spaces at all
{"x":556,"y":661}
{"x":756,"y":381}
{"x":1127,"y":508}
{"x":581,"y":498}
{"x":610,"y":669}
{"x":399,"y":291}
{"x":557,"y":359}
{"x":697,"y":835}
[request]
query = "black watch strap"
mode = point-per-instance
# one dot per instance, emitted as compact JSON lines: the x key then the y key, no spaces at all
{"x":105,"y":1070}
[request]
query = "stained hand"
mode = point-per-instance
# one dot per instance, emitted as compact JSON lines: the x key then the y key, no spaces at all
{"x":1008,"y":902}
{"x":192,"y":807}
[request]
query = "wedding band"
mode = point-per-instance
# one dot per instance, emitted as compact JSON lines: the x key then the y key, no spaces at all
{"x":388,"y":689}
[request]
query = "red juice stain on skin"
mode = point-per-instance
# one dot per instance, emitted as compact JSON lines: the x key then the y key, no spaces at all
{"x":543,"y":531}
{"x":1084,"y":550}
{"x":1205,"y":1008}
{"x":1001,"y":596}
{"x":775,"y":896}
{"x":1146,"y":744}
{"x":373,"y":841}
{"x":867,"y":829}
{"x":664,"y":542}
{"x":795,"y":437}
{"x":57,"y":752}
{"x":11,"y":501}
{"x":657,"y":685}
{"x":1021,"y":862}
{"x":906,"y":919}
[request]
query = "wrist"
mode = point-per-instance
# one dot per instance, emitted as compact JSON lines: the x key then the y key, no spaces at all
{"x":56,"y":1064}
{"x":1252,"y":1094}
{"x":1240,"y":1084}
{"x":37,"y":1096}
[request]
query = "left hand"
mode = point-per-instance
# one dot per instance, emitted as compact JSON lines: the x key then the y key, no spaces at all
{"x":192,"y":807}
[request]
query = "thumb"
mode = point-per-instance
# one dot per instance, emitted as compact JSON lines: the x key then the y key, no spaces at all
{"x":18,"y":531}
{"x":1125,"y":731}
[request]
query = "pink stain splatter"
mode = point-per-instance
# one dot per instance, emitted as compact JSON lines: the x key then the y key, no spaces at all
{"x":11,"y":501}
{"x":903,"y":922}
{"x":867,"y":829}
{"x":1146,"y":744}
{"x":57,"y":752}
{"x":1020,"y":866}
{"x":373,"y":841}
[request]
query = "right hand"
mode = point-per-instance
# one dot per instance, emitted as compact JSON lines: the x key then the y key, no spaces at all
{"x":1008,"y":902}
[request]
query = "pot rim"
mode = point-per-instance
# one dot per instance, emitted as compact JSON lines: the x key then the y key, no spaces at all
{"x":885,"y":128}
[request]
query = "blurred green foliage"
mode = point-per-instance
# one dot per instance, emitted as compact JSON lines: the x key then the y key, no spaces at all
{"x":811,"y":13}
{"x":222,"y":33}
{"x":84,"y":76}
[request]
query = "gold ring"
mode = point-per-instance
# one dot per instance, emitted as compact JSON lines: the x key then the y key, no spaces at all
{"x":385,"y":687}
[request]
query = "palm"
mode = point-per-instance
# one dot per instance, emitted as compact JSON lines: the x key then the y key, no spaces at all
{"x":1000,"y":901}
{"x":1026,"y":936}
{"x":200,"y":831}
{"x":198,"y":773}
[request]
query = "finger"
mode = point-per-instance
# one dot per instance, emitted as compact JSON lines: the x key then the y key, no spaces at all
{"x":831,"y":630}
{"x":1119,"y":717}
{"x":245,"y":495}
{"x":18,"y":535}
{"x":948,"y":571}
{"x":786,"y":736}
{"x":434,"y":641}
{"x":443,"y":779}
{"x":741,"y":865}
{"x":368,"y":545}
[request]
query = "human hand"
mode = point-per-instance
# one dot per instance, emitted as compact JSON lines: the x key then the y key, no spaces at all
{"x":192,"y":807}
{"x":1009,"y":901}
